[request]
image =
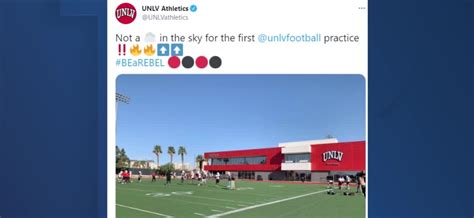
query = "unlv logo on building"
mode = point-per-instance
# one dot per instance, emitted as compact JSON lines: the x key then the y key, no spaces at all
{"x":332,"y":155}
{"x":125,"y":13}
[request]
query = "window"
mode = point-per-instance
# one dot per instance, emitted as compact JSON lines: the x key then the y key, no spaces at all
{"x":246,"y":175}
{"x":239,"y":160}
{"x":297,"y":158}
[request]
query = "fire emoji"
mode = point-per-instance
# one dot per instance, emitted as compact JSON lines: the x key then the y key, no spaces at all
{"x":149,"y":51}
{"x":135,"y":50}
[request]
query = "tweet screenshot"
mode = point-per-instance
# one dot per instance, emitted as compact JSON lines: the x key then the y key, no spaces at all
{"x":248,"y":108}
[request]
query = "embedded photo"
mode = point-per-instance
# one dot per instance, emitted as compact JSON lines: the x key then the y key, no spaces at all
{"x":240,"y":146}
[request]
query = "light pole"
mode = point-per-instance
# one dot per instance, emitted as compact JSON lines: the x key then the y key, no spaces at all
{"x":119,"y":98}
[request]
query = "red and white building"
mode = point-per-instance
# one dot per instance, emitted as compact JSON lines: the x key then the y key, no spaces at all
{"x":315,"y":158}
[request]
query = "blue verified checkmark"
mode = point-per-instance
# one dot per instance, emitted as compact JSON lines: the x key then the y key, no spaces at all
{"x":193,"y":8}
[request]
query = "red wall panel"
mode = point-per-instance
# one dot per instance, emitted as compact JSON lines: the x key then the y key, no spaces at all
{"x":273,"y":162}
{"x":353,"y":157}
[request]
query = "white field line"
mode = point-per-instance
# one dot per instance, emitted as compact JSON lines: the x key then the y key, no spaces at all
{"x":289,"y":212}
{"x":218,"y":211}
{"x":191,"y":202}
{"x":216,"y":199}
{"x":210,"y":190}
{"x":199,"y":214}
{"x":233,"y":208}
{"x":144,"y":211}
{"x":194,"y":202}
{"x":265,"y":204}
{"x":191,"y":196}
{"x":134,"y":189}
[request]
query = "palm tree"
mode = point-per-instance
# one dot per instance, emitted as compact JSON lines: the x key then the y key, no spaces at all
{"x":171,"y":152}
{"x":200,"y":159}
{"x":157,"y":151}
{"x":182,"y":152}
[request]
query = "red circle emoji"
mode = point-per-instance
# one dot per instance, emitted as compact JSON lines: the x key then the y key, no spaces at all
{"x":201,"y":62}
{"x":125,"y":13}
{"x":174,"y":62}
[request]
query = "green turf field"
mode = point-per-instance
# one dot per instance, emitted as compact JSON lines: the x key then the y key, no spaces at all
{"x":252,"y":199}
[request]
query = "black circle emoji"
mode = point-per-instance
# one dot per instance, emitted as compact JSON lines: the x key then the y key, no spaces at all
{"x":187,"y":62}
{"x":215,"y":62}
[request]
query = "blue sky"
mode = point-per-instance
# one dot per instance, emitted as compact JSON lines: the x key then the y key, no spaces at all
{"x":228,"y":112}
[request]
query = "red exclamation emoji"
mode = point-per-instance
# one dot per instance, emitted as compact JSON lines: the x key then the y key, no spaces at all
{"x":119,"y":49}
{"x":124,"y":49}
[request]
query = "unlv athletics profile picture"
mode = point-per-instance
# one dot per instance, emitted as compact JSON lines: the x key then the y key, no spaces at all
{"x":125,"y":13}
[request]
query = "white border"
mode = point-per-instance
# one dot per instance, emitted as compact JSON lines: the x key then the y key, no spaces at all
{"x":111,"y":105}
{"x":111,"y":140}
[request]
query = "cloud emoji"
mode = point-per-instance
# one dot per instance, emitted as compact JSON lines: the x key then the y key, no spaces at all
{"x":150,"y":38}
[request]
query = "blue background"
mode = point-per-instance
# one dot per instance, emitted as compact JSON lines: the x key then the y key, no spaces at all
{"x":53,"y":108}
